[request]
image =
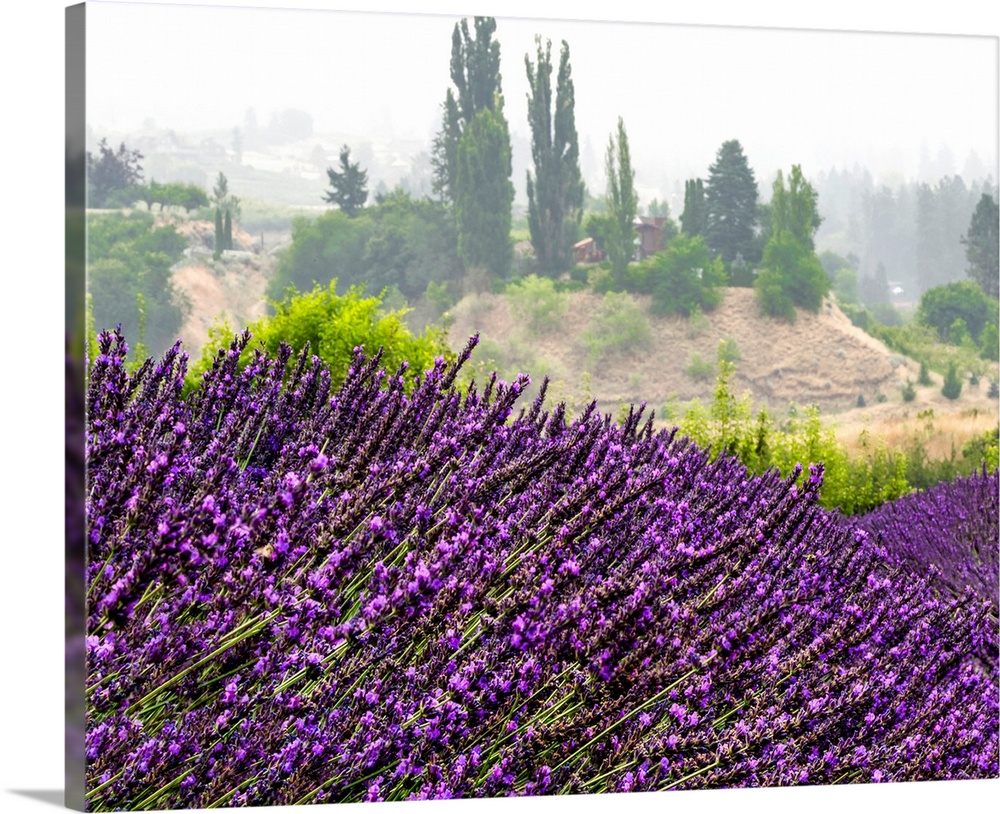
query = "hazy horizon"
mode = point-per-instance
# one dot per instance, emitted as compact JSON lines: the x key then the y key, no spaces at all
{"x":894,"y":103}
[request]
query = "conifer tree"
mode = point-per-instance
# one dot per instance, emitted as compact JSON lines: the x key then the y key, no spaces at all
{"x":227,"y":231}
{"x":349,"y":187}
{"x":731,"y":205}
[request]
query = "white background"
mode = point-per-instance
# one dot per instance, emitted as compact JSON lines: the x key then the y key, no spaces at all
{"x":31,"y":392}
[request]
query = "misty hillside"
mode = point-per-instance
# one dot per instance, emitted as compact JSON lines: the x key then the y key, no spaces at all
{"x":819,"y":359}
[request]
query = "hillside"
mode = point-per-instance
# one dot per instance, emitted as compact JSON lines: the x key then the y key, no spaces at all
{"x":820,"y":359}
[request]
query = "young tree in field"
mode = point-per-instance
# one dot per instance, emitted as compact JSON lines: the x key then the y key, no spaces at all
{"x":475,"y":73}
{"x":791,"y":273}
{"x":693,"y":216}
{"x":622,"y":203}
{"x":555,"y":194}
{"x":349,"y":186}
{"x":981,"y":246}
{"x":112,"y":171}
{"x":484,"y":193}
{"x":731,"y":205}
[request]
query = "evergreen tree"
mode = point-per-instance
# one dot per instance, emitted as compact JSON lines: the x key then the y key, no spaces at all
{"x":484,"y":193}
{"x":693,"y":216}
{"x":622,"y":203}
{"x":227,"y":231}
{"x":349,"y":186}
{"x":111,"y":172}
{"x":731,"y":205}
{"x":981,"y":246}
{"x":952,"y":387}
{"x":475,"y":73}
{"x":555,"y":194}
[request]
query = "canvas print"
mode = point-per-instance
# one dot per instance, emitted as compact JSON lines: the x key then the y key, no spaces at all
{"x":483,"y":407}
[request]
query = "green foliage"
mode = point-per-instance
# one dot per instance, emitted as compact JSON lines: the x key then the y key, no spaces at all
{"x":940,"y":307}
{"x":792,"y":274}
{"x":795,"y":209}
{"x":729,"y":351}
{"x":845,"y":286}
{"x":994,"y":390}
{"x":909,"y":391}
{"x":924,"y":377}
{"x":684,"y":277}
{"x":129,"y":278}
{"x":989,"y":343}
{"x":622,"y":202}
{"x":981,"y":246}
{"x":851,"y":484}
{"x":730,"y":205}
{"x":484,"y":193}
{"x":536,"y":304}
{"x":952,"y":388}
{"x":698,"y":369}
{"x":555,"y":194}
{"x":112,"y":172}
{"x":348,"y":187}
{"x":693,"y":216}
{"x":399,"y":241}
{"x":620,"y":327}
{"x":332,"y":325}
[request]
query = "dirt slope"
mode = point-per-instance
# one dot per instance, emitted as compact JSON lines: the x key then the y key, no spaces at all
{"x":821,"y":358}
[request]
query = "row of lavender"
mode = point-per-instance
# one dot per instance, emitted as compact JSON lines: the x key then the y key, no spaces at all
{"x":297,"y":595}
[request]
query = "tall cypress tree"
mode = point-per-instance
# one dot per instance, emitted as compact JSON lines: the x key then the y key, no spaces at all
{"x":623,"y":203}
{"x":227,"y":231}
{"x":731,"y":205}
{"x":693,"y":216}
{"x":484,"y":193}
{"x":555,"y":194}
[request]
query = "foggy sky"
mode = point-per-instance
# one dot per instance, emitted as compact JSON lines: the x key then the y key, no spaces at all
{"x":816,"y":98}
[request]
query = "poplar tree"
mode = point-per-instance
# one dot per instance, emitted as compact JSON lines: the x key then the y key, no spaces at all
{"x":484,"y":193}
{"x":555,"y":193}
{"x":475,"y":74}
{"x":622,"y":202}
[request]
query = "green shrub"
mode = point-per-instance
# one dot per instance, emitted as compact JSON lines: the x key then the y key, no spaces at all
{"x":698,"y":369}
{"x":909,"y":391}
{"x":940,"y":307}
{"x":536,"y":304}
{"x":684,"y":277}
{"x":952,"y":388}
{"x":791,"y":276}
{"x":332,"y":325}
{"x":600,"y":279}
{"x":620,"y":327}
{"x":924,"y":376}
{"x":729,"y":351}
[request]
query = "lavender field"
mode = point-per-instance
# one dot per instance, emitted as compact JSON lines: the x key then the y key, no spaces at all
{"x":300,"y":593}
